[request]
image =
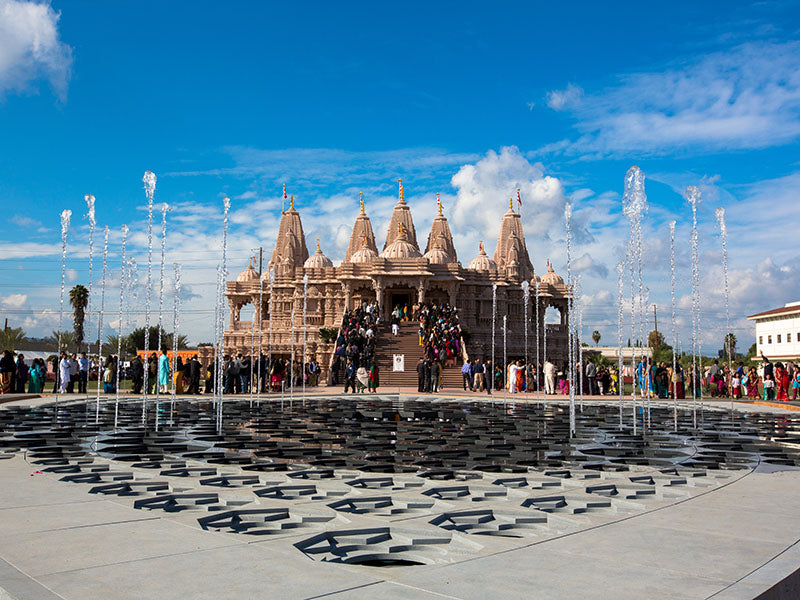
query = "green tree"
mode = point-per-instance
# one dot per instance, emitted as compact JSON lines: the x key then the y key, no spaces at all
{"x":730,"y":344}
{"x":79,"y":299}
{"x":655,"y":340}
{"x":596,"y":337}
{"x":67,"y":338}
{"x":752,"y":351}
{"x":11,"y":337}
{"x":135,"y":341}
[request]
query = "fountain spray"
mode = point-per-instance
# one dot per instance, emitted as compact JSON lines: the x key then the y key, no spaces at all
{"x":260,"y":336}
{"x":674,"y":328}
{"x":269,"y":340}
{"x":579,"y":293}
{"x":526,"y":296}
{"x":226,"y":202}
{"x":490,"y":378}
{"x":122,"y":285}
{"x":149,"y":181}
{"x":65,"y":217}
{"x":291,"y":366}
{"x":723,"y":234}
{"x":570,"y":323}
{"x":620,"y":269}
{"x":164,"y":210}
{"x":538,"y":365}
{"x":176,"y":304}
{"x":303,"y":362}
{"x":92,"y":222}
{"x":100,"y":325}
{"x":693,"y":197}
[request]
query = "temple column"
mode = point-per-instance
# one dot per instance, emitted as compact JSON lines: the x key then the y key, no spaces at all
{"x":421,"y":291}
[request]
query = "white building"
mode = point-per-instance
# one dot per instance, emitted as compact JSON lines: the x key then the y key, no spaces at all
{"x":778,"y":332}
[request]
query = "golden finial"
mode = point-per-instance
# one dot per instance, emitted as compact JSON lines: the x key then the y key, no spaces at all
{"x":511,"y":204}
{"x":291,"y":202}
{"x":361,"y":201}
{"x":438,"y":204}
{"x":480,"y":245}
{"x":402,"y":195}
{"x":318,"y":248}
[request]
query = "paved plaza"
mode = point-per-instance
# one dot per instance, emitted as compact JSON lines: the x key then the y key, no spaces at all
{"x":185,"y":513}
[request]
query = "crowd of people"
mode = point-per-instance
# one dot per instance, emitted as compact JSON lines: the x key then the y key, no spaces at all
{"x":354,"y":353}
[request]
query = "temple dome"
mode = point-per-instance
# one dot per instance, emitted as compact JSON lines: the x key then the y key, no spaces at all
{"x":551,"y":277}
{"x":482,"y":262}
{"x":318,"y":260}
{"x":249,"y":274}
{"x":363,"y":255}
{"x":401,"y":248}
{"x":438,"y":255}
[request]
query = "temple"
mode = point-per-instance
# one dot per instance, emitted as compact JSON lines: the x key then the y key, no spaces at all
{"x":400,"y":274}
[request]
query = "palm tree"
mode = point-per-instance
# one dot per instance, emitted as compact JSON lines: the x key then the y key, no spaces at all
{"x":11,"y":337}
{"x":596,"y":337}
{"x":67,"y":337}
{"x":79,"y":299}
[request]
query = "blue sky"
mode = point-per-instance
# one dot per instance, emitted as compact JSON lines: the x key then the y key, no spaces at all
{"x":469,"y":99}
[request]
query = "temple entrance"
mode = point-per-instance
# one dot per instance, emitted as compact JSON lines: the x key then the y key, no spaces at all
{"x":402,"y":297}
{"x":360,"y":296}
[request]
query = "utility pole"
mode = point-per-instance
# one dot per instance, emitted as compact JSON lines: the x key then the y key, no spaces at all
{"x":655,"y":319}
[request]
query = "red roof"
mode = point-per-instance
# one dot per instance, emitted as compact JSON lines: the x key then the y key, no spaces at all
{"x":777,"y":311}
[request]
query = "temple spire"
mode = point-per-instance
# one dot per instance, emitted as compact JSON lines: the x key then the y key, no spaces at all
{"x":440,"y":230}
{"x":511,"y":247}
{"x":362,"y":235}
{"x":401,"y":215}
{"x":290,"y":246}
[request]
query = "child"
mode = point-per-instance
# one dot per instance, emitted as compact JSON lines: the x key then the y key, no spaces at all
{"x":769,"y":388}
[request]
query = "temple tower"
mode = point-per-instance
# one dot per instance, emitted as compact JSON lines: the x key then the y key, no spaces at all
{"x":440,"y":234}
{"x":362,"y":230}
{"x":290,"y":246}
{"x":511,"y":252}
{"x":401,"y":216}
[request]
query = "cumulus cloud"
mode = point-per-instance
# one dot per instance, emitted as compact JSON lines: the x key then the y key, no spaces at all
{"x":564,"y":99}
{"x":483,"y":189}
{"x":742,"y":98}
{"x":30,"y":48}
{"x":14,"y":300}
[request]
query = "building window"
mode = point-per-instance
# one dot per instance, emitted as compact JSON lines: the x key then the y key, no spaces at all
{"x":769,"y":339}
{"x":761,"y":339}
{"x":788,"y":338}
{"x":779,"y":338}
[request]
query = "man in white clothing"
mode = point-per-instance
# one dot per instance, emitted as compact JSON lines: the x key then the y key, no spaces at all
{"x":549,"y":378}
{"x":63,"y":372}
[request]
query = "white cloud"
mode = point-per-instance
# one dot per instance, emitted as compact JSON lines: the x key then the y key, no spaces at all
{"x":14,"y":300}
{"x":30,"y":47}
{"x":746,"y":97}
{"x":564,"y":99}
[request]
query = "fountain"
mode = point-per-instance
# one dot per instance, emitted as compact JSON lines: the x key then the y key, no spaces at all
{"x":122,"y":284}
{"x":65,"y":217}
{"x":226,"y":203}
{"x":90,"y":215}
{"x":674,"y":328}
{"x":570,"y":323}
{"x":723,"y":235}
{"x":490,"y":376}
{"x":538,"y":364}
{"x":176,"y":303}
{"x":291,"y":367}
{"x":260,"y":334}
{"x":253,"y":363}
{"x":100,"y":324}
{"x":693,"y":197}
{"x":526,"y":296}
{"x":620,"y":380}
{"x":303,"y":362}
{"x":269,"y":339}
{"x":149,"y":180}
{"x":164,"y":210}
{"x":579,"y":328}
{"x":634,"y":203}
{"x":506,"y":382}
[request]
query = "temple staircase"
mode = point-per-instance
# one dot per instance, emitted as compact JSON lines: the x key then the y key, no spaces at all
{"x":407,"y":343}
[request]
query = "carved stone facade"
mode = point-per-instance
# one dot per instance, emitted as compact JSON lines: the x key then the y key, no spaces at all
{"x":401,"y":274}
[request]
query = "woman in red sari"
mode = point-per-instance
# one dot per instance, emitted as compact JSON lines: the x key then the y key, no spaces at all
{"x":782,"y":381}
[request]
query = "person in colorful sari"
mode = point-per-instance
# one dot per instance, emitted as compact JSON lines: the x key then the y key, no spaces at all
{"x":781,"y":381}
{"x":163,"y":372}
{"x":35,"y":378}
{"x":362,"y":379}
{"x":374,"y":378}
{"x":752,"y":384}
{"x":7,"y":368}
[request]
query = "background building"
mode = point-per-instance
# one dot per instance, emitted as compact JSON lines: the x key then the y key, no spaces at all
{"x":778,"y":332}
